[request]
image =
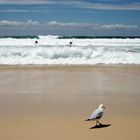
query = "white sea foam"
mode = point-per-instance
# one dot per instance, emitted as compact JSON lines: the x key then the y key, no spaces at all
{"x":51,"y":50}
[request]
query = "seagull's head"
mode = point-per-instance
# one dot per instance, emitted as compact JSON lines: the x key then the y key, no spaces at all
{"x":102,"y":106}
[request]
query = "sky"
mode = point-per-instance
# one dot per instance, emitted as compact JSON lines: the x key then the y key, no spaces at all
{"x":70,"y":17}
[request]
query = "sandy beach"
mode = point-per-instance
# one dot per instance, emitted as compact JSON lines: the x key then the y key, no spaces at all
{"x":52,"y":102}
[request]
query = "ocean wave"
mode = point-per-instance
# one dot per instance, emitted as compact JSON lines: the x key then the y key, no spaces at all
{"x":52,"y":50}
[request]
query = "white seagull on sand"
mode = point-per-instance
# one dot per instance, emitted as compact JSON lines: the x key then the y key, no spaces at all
{"x":97,"y":114}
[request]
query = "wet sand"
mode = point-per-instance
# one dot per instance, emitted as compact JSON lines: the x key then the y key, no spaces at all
{"x":53,"y":102}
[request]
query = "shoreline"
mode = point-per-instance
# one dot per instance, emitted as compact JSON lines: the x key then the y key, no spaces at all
{"x":59,"y":66}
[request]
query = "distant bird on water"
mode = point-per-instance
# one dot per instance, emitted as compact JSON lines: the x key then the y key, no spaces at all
{"x":97,"y":114}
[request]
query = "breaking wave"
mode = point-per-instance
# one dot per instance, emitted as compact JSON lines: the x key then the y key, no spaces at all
{"x":53,"y":50}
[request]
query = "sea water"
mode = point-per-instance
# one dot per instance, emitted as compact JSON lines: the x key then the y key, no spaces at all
{"x":53,"y":50}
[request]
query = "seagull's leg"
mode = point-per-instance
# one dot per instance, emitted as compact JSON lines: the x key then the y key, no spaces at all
{"x":99,"y":122}
{"x":96,"y":122}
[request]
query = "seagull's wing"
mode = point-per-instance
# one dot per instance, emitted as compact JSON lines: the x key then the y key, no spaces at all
{"x":97,"y":114}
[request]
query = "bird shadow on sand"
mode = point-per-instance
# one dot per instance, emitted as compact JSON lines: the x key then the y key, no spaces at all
{"x":100,"y":126}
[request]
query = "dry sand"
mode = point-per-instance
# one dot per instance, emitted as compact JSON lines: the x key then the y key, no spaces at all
{"x":51,"y":103}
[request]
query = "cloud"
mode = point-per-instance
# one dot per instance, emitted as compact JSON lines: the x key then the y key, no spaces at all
{"x":13,"y":10}
{"x":108,"y":6}
{"x":23,"y":11}
{"x":96,"y":5}
{"x":119,"y":26}
{"x":71,"y":25}
{"x":63,"y":25}
{"x":30,"y":27}
{"x":6,"y":23}
{"x":22,"y":1}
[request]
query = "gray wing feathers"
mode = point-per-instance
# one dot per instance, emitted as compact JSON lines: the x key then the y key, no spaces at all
{"x":97,"y":114}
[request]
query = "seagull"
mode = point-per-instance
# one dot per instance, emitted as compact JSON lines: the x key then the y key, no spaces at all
{"x":97,"y":114}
